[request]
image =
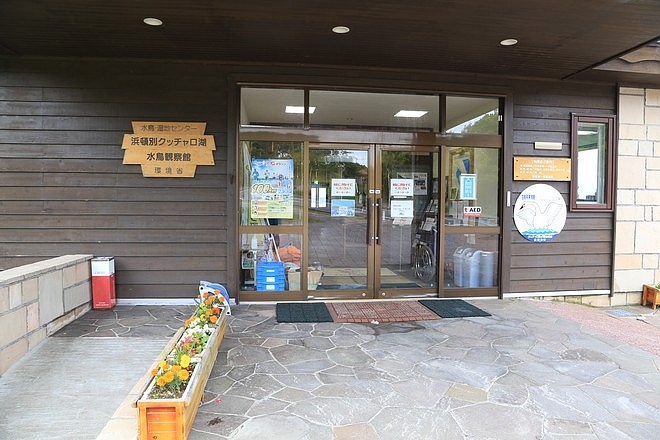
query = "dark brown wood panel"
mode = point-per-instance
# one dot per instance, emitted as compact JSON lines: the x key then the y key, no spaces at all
{"x":581,"y":256}
{"x":64,"y":189}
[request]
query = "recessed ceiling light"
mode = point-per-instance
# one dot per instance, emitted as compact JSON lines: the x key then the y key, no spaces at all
{"x":509,"y":42}
{"x":341,"y":29}
{"x":410,"y":113}
{"x":151,"y":21}
{"x":298,"y":109}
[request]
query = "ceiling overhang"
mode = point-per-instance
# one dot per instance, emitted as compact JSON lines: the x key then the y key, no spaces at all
{"x":589,"y":40}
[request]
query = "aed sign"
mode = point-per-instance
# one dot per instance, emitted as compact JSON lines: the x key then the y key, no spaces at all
{"x":472,"y":211}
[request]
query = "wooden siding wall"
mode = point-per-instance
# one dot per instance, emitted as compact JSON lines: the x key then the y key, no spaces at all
{"x":64,"y":189}
{"x":580,"y":258}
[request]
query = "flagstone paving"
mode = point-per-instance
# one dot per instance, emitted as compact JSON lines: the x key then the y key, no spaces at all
{"x":531,"y":370}
{"x":522,"y":373}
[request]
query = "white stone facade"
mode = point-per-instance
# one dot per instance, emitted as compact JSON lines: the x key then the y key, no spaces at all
{"x":637,"y":246}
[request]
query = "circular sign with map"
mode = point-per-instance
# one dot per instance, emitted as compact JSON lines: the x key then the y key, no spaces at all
{"x":540,"y":213}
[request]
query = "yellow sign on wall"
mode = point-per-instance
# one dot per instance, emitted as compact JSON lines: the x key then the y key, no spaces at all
{"x":541,"y":168}
{"x":168,"y":149}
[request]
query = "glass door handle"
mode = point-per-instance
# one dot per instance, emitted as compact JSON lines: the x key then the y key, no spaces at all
{"x":379,"y":212}
{"x":369,"y":220}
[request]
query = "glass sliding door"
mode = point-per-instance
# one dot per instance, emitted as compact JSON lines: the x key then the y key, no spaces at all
{"x":372,"y":220}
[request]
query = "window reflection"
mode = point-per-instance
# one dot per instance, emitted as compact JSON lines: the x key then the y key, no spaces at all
{"x":477,"y":167}
{"x":592,"y":162}
{"x":593,"y":154}
{"x":472,"y":115}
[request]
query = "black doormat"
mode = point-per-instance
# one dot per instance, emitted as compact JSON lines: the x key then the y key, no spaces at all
{"x":453,"y":308}
{"x":302,"y":312}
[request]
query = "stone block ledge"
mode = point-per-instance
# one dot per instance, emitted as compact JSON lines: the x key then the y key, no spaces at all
{"x":38,"y":299}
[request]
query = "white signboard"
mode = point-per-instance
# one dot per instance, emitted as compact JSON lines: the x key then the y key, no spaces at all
{"x":402,"y":187}
{"x":343,"y":188}
{"x":401,"y":208}
{"x":540,"y":213}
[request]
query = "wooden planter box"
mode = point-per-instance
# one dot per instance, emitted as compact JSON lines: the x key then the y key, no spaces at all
{"x":172,"y":419}
{"x":650,"y":294}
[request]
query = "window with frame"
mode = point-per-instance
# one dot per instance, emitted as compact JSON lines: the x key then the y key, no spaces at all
{"x":593,"y":152}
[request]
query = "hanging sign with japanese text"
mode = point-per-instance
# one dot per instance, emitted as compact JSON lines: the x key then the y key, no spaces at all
{"x":168,"y":149}
{"x":271,"y":194}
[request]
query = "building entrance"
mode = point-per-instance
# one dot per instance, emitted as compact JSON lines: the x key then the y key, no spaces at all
{"x":372,"y":220}
{"x":328,"y":212}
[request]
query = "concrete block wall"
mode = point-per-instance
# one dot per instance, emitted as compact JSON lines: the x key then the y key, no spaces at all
{"x":637,"y":247}
{"x":38,"y":299}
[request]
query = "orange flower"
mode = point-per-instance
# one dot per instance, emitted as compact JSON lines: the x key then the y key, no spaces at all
{"x":214,"y":319}
{"x":168,"y":377}
{"x":176,"y":368}
{"x":154,"y":371}
{"x":184,"y":375}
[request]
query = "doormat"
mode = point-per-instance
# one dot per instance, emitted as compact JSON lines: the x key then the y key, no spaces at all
{"x":302,"y":312}
{"x":452,"y":308}
{"x":379,"y":311}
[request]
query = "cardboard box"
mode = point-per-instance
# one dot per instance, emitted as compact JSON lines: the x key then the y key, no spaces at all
{"x":313,"y":278}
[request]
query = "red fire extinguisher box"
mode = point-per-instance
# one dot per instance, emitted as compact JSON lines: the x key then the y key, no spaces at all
{"x":103,"y":283}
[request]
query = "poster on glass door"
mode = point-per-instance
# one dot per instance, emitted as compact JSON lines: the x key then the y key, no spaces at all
{"x":271,"y":194}
{"x":342,"y":193}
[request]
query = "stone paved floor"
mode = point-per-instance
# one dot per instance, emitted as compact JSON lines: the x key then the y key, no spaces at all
{"x":532,"y":370}
{"x":523,"y":373}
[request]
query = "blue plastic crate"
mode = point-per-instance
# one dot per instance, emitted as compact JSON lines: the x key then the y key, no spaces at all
{"x":270,"y":268}
{"x":270,"y":286}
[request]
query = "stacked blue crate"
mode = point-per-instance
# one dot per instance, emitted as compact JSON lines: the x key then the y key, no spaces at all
{"x":270,"y":275}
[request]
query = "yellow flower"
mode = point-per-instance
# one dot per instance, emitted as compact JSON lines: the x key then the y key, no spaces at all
{"x":161,"y":381}
{"x":162,"y":364}
{"x":184,"y":375}
{"x":185,"y":361}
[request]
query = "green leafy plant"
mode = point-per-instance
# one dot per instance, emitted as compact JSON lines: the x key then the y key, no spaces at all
{"x":172,"y":374}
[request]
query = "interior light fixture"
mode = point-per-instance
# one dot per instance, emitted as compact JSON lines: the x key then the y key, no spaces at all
{"x":151,"y":21}
{"x":509,"y":42}
{"x":298,"y":109}
{"x":410,"y":113}
{"x":341,"y":29}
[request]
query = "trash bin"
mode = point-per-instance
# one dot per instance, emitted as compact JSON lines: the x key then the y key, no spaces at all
{"x":103,"y":283}
{"x":488,"y":269}
{"x":471,"y":268}
{"x":459,"y":256}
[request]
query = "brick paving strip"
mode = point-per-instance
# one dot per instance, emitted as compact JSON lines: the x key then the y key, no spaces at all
{"x":381,"y":311}
{"x":629,"y":330}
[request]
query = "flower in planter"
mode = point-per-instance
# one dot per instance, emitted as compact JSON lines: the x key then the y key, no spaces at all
{"x":209,"y":308}
{"x":194,"y":338}
{"x":171,"y":376}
